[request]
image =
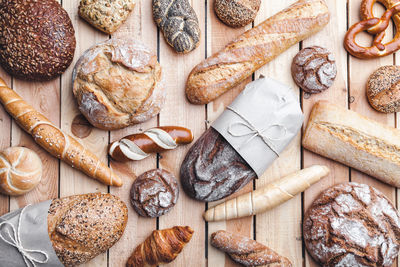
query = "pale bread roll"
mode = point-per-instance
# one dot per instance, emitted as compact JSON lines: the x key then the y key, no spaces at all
{"x":20,"y":170}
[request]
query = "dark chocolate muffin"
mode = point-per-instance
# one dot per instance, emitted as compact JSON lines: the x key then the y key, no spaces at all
{"x":37,"y":40}
{"x":352,"y":224}
{"x":154,"y":193}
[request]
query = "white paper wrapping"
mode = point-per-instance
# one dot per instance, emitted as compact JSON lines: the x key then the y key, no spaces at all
{"x":261,"y":122}
{"x":33,"y":235}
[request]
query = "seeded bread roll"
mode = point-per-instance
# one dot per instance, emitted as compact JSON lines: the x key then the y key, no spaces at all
{"x":37,"y":39}
{"x":106,"y":15}
{"x":84,"y":226}
{"x":352,"y":224}
{"x":237,"y":13}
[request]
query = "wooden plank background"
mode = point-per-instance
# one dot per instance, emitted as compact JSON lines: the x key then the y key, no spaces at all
{"x":279,"y":228}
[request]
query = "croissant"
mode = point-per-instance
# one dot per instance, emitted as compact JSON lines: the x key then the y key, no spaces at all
{"x":161,"y":247}
{"x":54,"y":140}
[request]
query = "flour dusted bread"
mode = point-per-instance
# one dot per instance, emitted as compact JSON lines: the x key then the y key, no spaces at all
{"x":352,"y":224}
{"x":84,"y":226}
{"x":354,"y":140}
{"x":118,"y":83}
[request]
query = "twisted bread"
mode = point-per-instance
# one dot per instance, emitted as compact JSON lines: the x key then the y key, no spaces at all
{"x":54,"y":140}
{"x":161,"y":247}
{"x":247,"y":251}
{"x":179,"y":24}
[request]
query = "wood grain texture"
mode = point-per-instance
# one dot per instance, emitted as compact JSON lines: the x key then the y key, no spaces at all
{"x":331,"y":37}
{"x":218,"y":36}
{"x":139,"y":26}
{"x":178,"y":111}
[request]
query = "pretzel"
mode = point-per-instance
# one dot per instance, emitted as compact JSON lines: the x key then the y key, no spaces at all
{"x":377,"y":27}
{"x":141,"y":145}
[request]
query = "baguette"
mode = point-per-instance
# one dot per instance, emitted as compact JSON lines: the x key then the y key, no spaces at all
{"x":253,"y":49}
{"x":356,"y":141}
{"x":267,"y":197}
{"x":54,"y":140}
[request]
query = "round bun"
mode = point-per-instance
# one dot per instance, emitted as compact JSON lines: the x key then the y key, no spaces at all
{"x":39,"y":42}
{"x":154,"y":193}
{"x":383,"y":89}
{"x":352,"y":224}
{"x":314,"y":69}
{"x":237,"y":13}
{"x":20,"y":171}
{"x":118,"y":83}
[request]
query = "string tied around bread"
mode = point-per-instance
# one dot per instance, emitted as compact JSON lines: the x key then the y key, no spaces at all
{"x":30,"y":256}
{"x":255,"y":132}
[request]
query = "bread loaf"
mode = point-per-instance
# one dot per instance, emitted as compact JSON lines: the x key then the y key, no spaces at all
{"x":237,"y":13}
{"x":354,"y":140}
{"x":20,"y":170}
{"x":253,"y":49}
{"x":84,"y":226}
{"x":54,"y":140}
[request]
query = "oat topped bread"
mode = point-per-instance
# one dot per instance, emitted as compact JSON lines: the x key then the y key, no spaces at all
{"x":83,"y":226}
{"x":352,"y":224}
{"x":106,"y":15}
{"x":37,"y":39}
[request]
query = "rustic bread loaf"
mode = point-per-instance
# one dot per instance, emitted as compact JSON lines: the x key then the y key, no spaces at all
{"x":383,"y":89}
{"x":352,"y":224}
{"x":20,"y":170}
{"x":237,"y":13}
{"x":213,"y":170}
{"x":154,"y":193}
{"x":118,"y":83}
{"x":354,"y":140}
{"x":106,"y":15}
{"x":84,"y":226}
{"x":37,"y":39}
{"x":179,"y":24}
{"x":253,"y":49}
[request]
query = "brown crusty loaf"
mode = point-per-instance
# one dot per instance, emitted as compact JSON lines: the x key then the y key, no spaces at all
{"x":352,"y":224}
{"x":237,"y":13}
{"x":37,"y":39}
{"x":253,"y":49}
{"x":84,"y":226}
{"x":118,"y":83}
{"x":106,"y":15}
{"x":246,"y":251}
{"x":54,"y":140}
{"x":161,"y":247}
{"x":354,"y":140}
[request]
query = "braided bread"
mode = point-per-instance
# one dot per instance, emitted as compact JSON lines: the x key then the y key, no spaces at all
{"x":179,"y":24}
{"x":54,"y":140}
{"x":247,"y":251}
{"x":161,"y":247}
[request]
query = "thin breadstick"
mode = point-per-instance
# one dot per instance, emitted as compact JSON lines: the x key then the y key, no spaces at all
{"x":268,"y":197}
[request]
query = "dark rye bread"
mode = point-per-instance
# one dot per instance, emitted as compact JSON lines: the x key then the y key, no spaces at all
{"x":213,"y":170}
{"x":83,"y":226}
{"x":352,"y":224}
{"x":237,"y":13}
{"x":37,"y":39}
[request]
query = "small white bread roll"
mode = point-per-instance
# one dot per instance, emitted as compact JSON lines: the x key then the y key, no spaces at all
{"x":20,"y":170}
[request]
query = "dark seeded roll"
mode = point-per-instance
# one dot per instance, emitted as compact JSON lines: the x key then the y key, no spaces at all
{"x":37,"y":39}
{"x":237,"y":13}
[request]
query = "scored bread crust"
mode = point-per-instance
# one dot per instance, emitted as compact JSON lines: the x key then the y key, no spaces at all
{"x":83,"y":226}
{"x":354,"y":140}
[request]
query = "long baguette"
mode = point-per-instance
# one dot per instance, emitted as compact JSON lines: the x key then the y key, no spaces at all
{"x":354,"y":140}
{"x":54,"y":140}
{"x":268,"y":197}
{"x":253,"y":49}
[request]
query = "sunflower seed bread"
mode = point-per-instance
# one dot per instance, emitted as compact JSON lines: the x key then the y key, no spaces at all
{"x":83,"y":226}
{"x":106,"y":15}
{"x":237,"y":13}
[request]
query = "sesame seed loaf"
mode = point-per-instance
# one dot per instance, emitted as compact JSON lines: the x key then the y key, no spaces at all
{"x":237,"y":13}
{"x":83,"y":226}
{"x":39,"y":41}
{"x":106,"y":15}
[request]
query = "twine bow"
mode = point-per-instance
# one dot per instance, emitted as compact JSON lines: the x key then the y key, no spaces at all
{"x":27,"y":254}
{"x":254,"y":132}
